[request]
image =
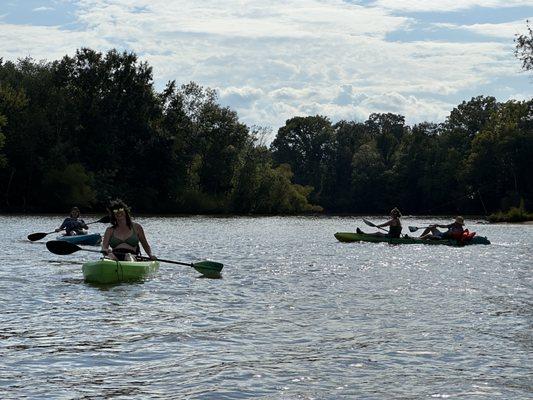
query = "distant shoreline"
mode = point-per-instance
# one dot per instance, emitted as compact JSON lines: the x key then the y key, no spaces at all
{"x":478,"y":219}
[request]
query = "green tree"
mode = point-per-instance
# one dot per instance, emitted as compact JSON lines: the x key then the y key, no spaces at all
{"x":501,"y":155}
{"x":114,"y":124}
{"x":302,"y":143}
{"x":524,"y":48}
{"x":413,"y":182}
{"x":387,"y":131}
{"x":369,"y":180}
{"x":277,"y":194}
{"x":68,"y":186}
{"x":27,"y":99}
{"x":337,"y":193}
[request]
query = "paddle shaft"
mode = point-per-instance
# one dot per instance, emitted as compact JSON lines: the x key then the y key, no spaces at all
{"x":166,"y":261}
{"x":415,"y":228}
{"x":369,"y":223}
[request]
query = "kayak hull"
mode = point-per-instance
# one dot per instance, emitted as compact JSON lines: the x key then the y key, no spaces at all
{"x":92,"y":239}
{"x":349,"y":237}
{"x":106,"y":271}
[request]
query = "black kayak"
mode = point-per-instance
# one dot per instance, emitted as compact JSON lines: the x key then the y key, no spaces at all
{"x":349,"y":237}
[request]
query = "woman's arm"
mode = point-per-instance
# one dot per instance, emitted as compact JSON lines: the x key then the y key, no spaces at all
{"x":63,"y":225}
{"x":144,"y":242}
{"x":105,"y":241}
{"x":388,"y":223}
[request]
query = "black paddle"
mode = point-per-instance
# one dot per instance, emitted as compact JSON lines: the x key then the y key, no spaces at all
{"x":369,"y":223}
{"x":39,"y":235}
{"x":210,"y":269}
{"x":415,"y":228}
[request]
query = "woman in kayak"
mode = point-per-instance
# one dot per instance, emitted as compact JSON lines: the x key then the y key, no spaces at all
{"x":454,"y":230}
{"x":124,"y":235}
{"x":73,"y":224}
{"x":394,"y":224}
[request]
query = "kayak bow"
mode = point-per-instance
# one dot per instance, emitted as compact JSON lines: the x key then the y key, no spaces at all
{"x":107,"y":271}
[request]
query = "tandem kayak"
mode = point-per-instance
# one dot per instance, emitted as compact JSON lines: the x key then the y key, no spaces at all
{"x":111,"y":271}
{"x":362,"y":237}
{"x":92,"y":239}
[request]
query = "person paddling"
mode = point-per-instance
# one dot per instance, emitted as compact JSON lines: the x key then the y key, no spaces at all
{"x":394,"y":224}
{"x":454,"y":230}
{"x":124,"y":235}
{"x":73,"y":224}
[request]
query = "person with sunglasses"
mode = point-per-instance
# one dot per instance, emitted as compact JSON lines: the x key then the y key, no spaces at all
{"x":124,"y":235}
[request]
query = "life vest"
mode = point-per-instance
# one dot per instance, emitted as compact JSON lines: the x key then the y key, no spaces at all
{"x":465,"y":237}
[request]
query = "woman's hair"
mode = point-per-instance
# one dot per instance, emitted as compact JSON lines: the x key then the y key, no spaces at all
{"x":395,"y":212}
{"x":115,"y":205}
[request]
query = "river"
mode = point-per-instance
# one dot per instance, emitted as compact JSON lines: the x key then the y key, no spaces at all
{"x":296,"y":315}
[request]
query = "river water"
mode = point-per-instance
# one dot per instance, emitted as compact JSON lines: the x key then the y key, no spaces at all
{"x":296,"y":315}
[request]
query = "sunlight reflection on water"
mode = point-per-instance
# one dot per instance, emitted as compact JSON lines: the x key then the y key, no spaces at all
{"x":296,"y":315}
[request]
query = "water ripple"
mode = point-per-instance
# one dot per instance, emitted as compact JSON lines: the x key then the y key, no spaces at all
{"x":296,"y":315}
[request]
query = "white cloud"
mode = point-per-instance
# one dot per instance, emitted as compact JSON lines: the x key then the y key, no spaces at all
{"x":44,"y":42}
{"x":240,"y":96}
{"x":272,"y":60}
{"x":39,"y":9}
{"x":506,"y":30}
{"x":447,"y":5}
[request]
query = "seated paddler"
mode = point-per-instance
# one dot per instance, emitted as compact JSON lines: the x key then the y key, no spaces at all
{"x":394,"y":224}
{"x":121,"y":240}
{"x":73,"y":224}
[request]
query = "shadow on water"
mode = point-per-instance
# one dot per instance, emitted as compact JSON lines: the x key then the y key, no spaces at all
{"x":73,"y":281}
{"x":63,"y":262}
{"x":212,"y":275}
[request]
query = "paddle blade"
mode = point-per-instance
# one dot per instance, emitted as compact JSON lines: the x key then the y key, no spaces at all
{"x":369,"y":223}
{"x":61,"y":247}
{"x":413,"y":228}
{"x":105,"y":220}
{"x":36,"y":236}
{"x":210,"y":269}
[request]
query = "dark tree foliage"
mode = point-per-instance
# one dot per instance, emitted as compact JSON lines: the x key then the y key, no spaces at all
{"x":91,"y":126}
{"x":303,"y":143}
{"x":474,"y":162}
{"x":524,"y":48}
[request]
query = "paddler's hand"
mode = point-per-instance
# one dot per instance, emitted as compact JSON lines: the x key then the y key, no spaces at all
{"x":152,"y":257}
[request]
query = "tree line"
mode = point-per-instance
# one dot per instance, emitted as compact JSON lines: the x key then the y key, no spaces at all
{"x":90,"y":127}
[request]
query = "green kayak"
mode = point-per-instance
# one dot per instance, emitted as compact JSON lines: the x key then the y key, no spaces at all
{"x":111,"y":271}
{"x":362,"y":237}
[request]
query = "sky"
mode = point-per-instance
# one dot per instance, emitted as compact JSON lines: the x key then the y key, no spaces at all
{"x":273,"y":60}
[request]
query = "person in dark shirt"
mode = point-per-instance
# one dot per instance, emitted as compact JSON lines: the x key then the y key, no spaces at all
{"x":394,"y":224}
{"x":73,"y":225}
{"x":454,"y":230}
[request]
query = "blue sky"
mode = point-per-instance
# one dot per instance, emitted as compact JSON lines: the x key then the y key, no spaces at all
{"x":272,"y":60}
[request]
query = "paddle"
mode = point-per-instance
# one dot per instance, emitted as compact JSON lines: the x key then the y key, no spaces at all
{"x":210,"y":269}
{"x":415,"y":228}
{"x":369,"y":223}
{"x":39,"y":235}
